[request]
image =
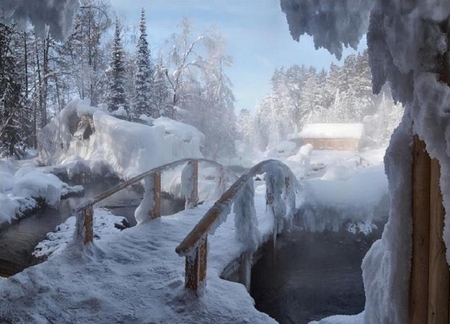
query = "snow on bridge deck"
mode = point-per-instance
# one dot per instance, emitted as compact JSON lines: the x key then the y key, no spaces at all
{"x":136,"y":277}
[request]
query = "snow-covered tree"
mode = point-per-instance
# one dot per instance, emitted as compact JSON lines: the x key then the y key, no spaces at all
{"x":161,"y":90}
{"x":117,"y":96}
{"x":145,"y":98}
{"x":10,"y":95}
{"x":181,"y":58}
{"x":85,"y":55}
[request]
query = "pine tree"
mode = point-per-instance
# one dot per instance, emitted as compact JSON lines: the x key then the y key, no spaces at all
{"x":9,"y":95}
{"x":144,"y":101}
{"x":117,"y":97}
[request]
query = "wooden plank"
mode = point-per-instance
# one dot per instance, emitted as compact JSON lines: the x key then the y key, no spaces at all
{"x":418,"y":300}
{"x":438,"y":300}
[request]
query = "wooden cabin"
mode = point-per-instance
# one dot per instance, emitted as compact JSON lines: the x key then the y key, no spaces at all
{"x":337,"y":137}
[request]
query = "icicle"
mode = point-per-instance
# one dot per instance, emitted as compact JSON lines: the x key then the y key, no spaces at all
{"x":245,"y":218}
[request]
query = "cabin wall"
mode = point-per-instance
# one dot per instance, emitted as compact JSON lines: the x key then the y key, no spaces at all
{"x":335,"y":144}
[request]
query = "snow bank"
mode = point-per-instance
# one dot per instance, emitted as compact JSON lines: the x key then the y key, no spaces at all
{"x":331,"y":204}
{"x":20,"y":190}
{"x":56,"y":241}
{"x":127,"y":148}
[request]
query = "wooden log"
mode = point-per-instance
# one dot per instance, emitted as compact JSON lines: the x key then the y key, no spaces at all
{"x":88,"y":212}
{"x":156,"y":211}
{"x":418,"y":300}
{"x":196,"y":266}
{"x":438,"y":299}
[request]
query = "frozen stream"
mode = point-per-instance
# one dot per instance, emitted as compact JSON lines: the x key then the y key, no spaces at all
{"x":17,"y":241}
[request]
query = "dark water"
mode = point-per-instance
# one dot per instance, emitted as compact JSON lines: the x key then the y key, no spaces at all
{"x":17,"y":241}
{"x":314,"y":275}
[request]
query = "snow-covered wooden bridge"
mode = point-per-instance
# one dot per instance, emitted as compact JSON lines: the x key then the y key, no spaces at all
{"x":136,"y":276}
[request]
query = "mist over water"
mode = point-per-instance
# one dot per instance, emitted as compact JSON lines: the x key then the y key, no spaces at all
{"x":315,"y":275}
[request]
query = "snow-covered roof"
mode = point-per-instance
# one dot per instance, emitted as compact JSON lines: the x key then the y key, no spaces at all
{"x":330,"y":131}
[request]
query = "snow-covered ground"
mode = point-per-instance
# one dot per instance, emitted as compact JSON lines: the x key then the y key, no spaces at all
{"x":136,"y":277}
{"x":104,"y":225}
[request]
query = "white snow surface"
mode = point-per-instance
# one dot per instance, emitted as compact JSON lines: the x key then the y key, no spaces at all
{"x":136,"y":277}
{"x":56,"y":241}
{"x":328,"y":204}
{"x":20,"y":187}
{"x":124,"y":147}
{"x":354,"y":131}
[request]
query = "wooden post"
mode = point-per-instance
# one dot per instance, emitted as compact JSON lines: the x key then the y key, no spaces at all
{"x":418,"y":300}
{"x":88,"y":224}
{"x":438,"y":302}
{"x":156,"y":211}
{"x":196,"y":268}
{"x":192,"y":200}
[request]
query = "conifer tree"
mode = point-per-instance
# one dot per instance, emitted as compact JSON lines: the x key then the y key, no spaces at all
{"x":117,"y":97}
{"x":144,"y":101}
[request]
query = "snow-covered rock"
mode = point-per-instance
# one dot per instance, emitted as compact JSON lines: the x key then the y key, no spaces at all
{"x":127,"y":148}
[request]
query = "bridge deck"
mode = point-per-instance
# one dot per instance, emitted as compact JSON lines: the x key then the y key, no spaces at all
{"x":135,"y":277}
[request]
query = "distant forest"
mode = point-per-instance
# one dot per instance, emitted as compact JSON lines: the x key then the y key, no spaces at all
{"x":302,"y":95}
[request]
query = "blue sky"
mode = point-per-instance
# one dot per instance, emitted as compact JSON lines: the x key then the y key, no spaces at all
{"x":257,"y":36}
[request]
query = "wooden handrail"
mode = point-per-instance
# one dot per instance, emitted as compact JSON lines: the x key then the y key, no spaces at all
{"x":194,"y":246}
{"x":150,"y":207}
{"x":221,"y":205}
{"x":138,"y":178}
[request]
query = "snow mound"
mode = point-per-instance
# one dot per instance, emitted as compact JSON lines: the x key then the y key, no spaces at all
{"x":20,"y":191}
{"x":124,"y":147}
{"x":303,"y":156}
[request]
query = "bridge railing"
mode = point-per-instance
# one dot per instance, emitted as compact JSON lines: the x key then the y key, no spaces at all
{"x":281,"y":185}
{"x":150,"y":206}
